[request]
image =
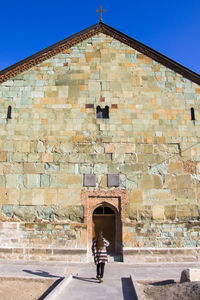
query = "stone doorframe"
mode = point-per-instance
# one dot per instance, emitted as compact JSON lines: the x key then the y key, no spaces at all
{"x":117,"y":199}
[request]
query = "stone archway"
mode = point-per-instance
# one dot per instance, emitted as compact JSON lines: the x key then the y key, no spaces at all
{"x":116,"y":199}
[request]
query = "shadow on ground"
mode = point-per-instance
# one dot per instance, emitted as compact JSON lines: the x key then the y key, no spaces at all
{"x":51,"y":288}
{"x":128,"y":289}
{"x":163,"y":282}
{"x":90,"y":279}
{"x":41,"y":273}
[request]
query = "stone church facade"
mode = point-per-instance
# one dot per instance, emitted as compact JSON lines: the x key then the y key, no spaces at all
{"x":99,"y":132}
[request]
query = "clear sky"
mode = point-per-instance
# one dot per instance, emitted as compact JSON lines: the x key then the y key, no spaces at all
{"x":171,"y":27}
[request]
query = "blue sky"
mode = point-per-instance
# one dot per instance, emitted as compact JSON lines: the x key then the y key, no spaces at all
{"x":170,"y":27}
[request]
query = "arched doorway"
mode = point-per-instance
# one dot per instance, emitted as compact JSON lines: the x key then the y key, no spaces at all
{"x":117,"y":200}
{"x":104,"y":219}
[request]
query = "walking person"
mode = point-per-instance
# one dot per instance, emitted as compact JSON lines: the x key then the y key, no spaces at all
{"x":100,"y":254}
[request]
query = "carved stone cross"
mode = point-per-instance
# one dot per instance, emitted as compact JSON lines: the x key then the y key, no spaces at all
{"x":101,"y":10}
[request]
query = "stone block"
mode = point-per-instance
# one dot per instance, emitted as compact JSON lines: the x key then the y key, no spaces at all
{"x":25,"y":197}
{"x":66,"y":147}
{"x":82,"y":242}
{"x":41,"y":146}
{"x":50,"y":196}
{"x":113,"y":168}
{"x":3,"y":195}
{"x":136,"y":197}
{"x":131,"y":212}
{"x":13,"y":196}
{"x":157,"y":182}
{"x":125,"y":148}
{"x":198,"y":195}
{"x":44,"y":180}
{"x":99,"y":148}
{"x":160,"y":196}
{"x":85,"y":169}
{"x":85,"y":148}
{"x":32,"y":181}
{"x":47,"y":157}
{"x":145,"y":212}
{"x":89,"y":180}
{"x":130,"y":158}
{"x":54,"y":168}
{"x":45,"y":213}
{"x":175,"y":167}
{"x":66,"y":197}
{"x":130,"y":184}
{"x":189,"y":275}
{"x":14,"y":181}
{"x":150,"y":158}
{"x":146,"y":181}
{"x":2,"y":181}
{"x":19,"y":157}
{"x":158,"y":212}
{"x":100,"y":168}
{"x":16,"y":168}
{"x":186,"y":212}
{"x":184,"y":181}
{"x":103,"y":182}
{"x":7,"y":210}
{"x":170,"y":182}
{"x":3,"y":156}
{"x":190,"y":166}
{"x":147,"y":148}
{"x":58,"y":180}
{"x":38,"y":197}
{"x":22,"y":146}
{"x":110,"y":148}
{"x":74,"y":179}
{"x":170,"y":212}
{"x":25,"y":213}
{"x":33,"y":168}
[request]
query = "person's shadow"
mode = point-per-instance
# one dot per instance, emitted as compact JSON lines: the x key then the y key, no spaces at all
{"x":42,"y":273}
{"x":91,"y":279}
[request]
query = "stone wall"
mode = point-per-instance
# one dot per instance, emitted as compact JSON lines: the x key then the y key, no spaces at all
{"x":54,"y":137}
{"x":49,"y":241}
{"x":157,"y":234}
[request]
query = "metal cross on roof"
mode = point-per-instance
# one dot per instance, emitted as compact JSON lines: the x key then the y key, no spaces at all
{"x":101,"y":10}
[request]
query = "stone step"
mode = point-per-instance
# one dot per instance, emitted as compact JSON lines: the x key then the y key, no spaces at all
{"x":111,"y":258}
{"x":115,"y":258}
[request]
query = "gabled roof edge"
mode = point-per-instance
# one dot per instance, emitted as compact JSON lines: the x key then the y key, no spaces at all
{"x":155,"y":55}
{"x":58,"y":47}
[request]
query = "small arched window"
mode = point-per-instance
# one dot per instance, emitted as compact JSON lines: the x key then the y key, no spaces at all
{"x":192,"y":114}
{"x":9,"y":112}
{"x":102,"y":113}
{"x":103,"y":210}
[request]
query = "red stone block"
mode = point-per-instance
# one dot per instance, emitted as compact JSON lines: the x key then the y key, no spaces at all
{"x":89,"y":105}
{"x":114,"y":106}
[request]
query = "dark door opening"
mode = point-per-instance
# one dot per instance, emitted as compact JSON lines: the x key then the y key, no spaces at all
{"x":104,"y":220}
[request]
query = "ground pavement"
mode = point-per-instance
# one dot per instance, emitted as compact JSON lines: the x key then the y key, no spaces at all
{"x":83,"y":285}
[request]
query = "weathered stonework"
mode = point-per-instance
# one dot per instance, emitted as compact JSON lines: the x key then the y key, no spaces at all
{"x":54,"y":138}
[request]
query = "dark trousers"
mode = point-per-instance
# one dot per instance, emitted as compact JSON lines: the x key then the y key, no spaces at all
{"x":100,"y":269}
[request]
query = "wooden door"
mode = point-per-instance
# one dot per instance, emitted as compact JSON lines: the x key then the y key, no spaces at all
{"x":106,"y":224}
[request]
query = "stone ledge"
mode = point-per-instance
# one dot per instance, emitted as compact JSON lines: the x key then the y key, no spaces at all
{"x":151,"y":255}
{"x":44,"y":254}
